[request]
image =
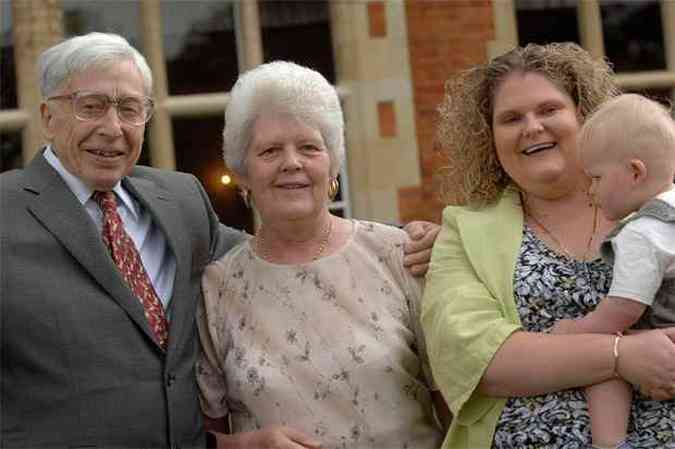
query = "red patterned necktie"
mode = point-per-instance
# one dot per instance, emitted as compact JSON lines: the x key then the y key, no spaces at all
{"x":126,"y":257}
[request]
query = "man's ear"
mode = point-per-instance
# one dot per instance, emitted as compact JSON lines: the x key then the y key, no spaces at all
{"x":638,"y":171}
{"x":46,"y":120}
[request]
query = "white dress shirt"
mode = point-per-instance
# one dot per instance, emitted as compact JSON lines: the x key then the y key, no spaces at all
{"x":158,"y":259}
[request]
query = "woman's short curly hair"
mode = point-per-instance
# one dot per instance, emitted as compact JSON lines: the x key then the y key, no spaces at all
{"x":474,"y":175}
{"x":282,"y":87}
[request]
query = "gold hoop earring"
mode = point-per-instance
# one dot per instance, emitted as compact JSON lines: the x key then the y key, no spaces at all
{"x":245,"y":197}
{"x":333,"y":188}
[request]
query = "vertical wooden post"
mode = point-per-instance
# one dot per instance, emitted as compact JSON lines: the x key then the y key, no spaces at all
{"x":37,"y":24}
{"x":162,"y":153}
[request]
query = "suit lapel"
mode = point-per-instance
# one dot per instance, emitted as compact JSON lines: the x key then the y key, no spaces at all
{"x":59,"y":211}
{"x":167,"y":215}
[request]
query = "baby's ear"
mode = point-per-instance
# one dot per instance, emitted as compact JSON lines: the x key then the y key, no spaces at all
{"x":639,"y":170}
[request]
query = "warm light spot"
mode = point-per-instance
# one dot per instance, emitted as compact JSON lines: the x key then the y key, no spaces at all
{"x":226,"y":180}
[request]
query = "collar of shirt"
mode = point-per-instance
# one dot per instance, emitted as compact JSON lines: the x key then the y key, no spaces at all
{"x":83,"y":192}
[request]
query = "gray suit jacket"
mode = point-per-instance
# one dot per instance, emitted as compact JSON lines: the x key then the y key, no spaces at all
{"x":80,"y":367}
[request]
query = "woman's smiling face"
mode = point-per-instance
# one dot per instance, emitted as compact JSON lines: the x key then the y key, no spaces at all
{"x":287,"y":169}
{"x":535,"y":126}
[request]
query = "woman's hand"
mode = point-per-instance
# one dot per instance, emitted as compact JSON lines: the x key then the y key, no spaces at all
{"x":647,"y":359}
{"x":273,"y":437}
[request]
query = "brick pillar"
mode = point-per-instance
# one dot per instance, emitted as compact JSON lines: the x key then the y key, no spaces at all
{"x":371,"y":54}
{"x":445,"y":36}
{"x":37,"y":25}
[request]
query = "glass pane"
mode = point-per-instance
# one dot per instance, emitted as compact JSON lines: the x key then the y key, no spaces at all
{"x":199,"y":144}
{"x":144,"y":158}
{"x":85,"y":16}
{"x":663,"y":96}
{"x":10,"y":150}
{"x":633,"y":34}
{"x":7,"y":71}
{"x":298,"y":31}
{"x":199,"y":46}
{"x":545,"y":21}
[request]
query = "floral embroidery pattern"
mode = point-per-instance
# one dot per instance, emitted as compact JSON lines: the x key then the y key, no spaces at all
{"x":329,"y":347}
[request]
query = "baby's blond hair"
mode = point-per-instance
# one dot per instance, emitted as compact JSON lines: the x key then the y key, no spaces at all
{"x":632,"y":126}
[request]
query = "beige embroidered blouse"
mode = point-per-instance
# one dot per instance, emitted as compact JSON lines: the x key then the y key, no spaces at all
{"x":332,"y":348}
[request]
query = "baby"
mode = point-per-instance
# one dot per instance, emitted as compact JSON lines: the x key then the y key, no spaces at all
{"x":627,"y":148}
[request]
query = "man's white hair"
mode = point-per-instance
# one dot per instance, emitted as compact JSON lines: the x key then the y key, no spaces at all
{"x":59,"y":63}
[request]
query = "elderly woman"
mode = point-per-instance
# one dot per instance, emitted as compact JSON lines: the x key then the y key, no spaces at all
{"x":310,"y":330}
{"x":522,"y":253}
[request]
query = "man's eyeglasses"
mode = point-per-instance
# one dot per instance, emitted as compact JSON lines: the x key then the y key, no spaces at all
{"x":91,"y":106}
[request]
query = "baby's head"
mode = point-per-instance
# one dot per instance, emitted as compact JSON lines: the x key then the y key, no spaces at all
{"x":627,"y":147}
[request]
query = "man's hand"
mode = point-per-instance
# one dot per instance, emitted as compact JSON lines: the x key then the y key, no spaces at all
{"x":417,"y":252}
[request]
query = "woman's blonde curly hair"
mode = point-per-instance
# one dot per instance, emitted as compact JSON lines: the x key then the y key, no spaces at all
{"x":474,"y":176}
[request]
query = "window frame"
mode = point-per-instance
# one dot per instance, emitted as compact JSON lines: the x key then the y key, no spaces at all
{"x":168,"y":107}
{"x":591,"y":36}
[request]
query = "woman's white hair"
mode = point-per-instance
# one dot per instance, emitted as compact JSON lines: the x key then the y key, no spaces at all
{"x":283,"y":87}
{"x":59,"y":63}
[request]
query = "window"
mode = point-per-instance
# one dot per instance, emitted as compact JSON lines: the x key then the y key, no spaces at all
{"x":84,"y":16}
{"x":10,"y":150}
{"x":198,"y":144}
{"x":203,"y":46}
{"x":7,"y":70}
{"x":630,"y":44}
{"x":298,"y":31}
{"x":663,"y":96}
{"x":630,"y":33}
{"x":199,"y":34}
{"x":542,"y":22}
{"x":204,"y":34}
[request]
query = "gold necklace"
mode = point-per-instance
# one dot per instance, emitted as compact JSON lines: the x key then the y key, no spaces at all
{"x":263,"y":250}
{"x":562,"y":247}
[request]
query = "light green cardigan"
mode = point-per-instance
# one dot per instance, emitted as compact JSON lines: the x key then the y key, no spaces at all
{"x":469,"y":310}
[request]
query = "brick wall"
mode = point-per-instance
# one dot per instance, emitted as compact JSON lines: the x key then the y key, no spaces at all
{"x":444,"y":36}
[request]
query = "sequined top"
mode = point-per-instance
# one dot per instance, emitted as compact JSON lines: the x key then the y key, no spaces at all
{"x":549,"y":286}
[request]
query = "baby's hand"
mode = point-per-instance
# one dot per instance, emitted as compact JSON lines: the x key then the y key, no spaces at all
{"x":564,"y":327}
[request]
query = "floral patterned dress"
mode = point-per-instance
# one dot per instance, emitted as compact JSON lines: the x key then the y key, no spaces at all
{"x":333,"y":348}
{"x":548,"y":287}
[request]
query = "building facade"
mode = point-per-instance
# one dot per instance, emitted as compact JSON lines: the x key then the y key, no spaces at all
{"x":388,"y":60}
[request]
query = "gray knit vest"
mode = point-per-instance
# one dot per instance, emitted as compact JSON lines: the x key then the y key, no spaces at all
{"x":662,"y":312}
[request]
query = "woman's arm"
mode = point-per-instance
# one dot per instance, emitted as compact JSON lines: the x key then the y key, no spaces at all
{"x":475,"y":343}
{"x":530,"y":363}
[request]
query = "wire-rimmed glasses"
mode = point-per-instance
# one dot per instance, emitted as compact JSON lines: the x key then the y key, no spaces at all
{"x":92,"y":106}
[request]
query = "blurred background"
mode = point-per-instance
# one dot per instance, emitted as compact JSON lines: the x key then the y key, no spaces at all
{"x":388,"y":60}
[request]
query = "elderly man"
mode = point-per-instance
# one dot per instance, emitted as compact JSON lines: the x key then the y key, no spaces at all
{"x":101,"y":264}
